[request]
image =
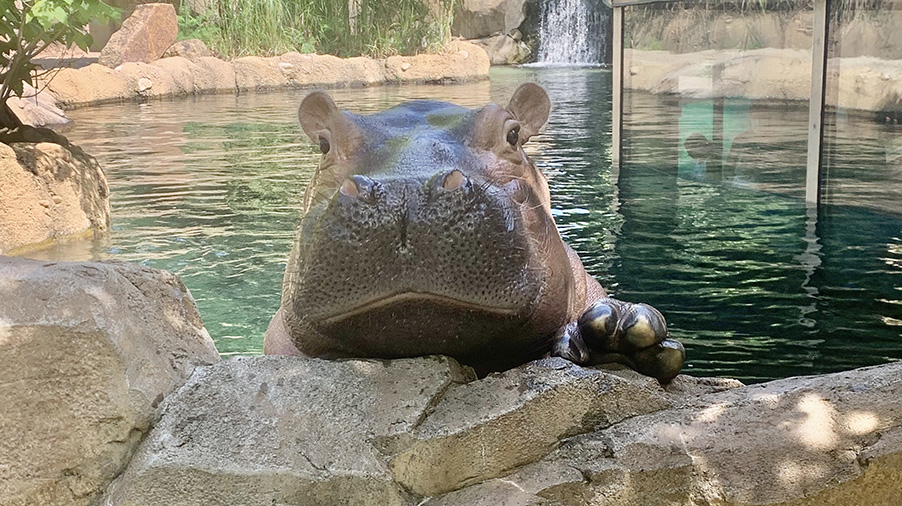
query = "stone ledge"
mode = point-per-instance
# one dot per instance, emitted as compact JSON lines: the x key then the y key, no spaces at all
{"x":89,"y":352}
{"x":179,"y":76}
{"x":864,"y":83}
{"x":290,"y":430}
{"x":50,"y":190}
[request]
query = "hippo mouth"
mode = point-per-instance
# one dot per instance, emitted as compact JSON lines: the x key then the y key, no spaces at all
{"x":413,"y":297}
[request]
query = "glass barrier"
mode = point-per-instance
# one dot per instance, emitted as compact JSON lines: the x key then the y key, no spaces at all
{"x":862,"y":151}
{"x":718,"y":91}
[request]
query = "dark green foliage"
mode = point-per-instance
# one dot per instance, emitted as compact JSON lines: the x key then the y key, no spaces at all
{"x":270,"y":27}
{"x":28,"y":27}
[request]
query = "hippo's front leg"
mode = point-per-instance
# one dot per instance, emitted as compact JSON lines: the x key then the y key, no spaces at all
{"x":612,"y":330}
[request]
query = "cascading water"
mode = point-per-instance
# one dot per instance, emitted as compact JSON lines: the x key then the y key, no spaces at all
{"x":573,"y":32}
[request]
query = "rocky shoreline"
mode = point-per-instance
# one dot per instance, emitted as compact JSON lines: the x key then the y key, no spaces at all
{"x":180,"y":76}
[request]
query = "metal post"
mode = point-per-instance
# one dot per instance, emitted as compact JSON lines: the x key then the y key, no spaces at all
{"x":816,"y":105}
{"x":617,"y":85}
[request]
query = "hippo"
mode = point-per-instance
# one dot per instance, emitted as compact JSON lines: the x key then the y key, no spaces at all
{"x":426,"y":229}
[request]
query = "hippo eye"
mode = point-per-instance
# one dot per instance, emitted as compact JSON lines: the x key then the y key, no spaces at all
{"x":324,"y":145}
{"x":513,"y":136}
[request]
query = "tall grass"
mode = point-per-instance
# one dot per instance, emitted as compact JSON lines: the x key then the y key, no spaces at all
{"x":268,"y":27}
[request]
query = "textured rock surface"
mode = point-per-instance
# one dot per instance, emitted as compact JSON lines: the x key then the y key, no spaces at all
{"x":89,"y":351}
{"x":504,"y":49}
{"x":254,"y":72}
{"x":192,"y":49}
{"x":482,"y":429}
{"x":189,"y":74}
{"x":49,"y":190}
{"x":863,"y":83}
{"x":822,"y":440}
{"x":461,"y":61}
{"x":37,"y":109}
{"x":474,"y":19}
{"x":93,"y":84}
{"x":282,"y":430}
{"x":144,"y":37}
{"x":304,"y":431}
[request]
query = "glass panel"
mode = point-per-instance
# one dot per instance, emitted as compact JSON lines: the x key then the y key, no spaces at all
{"x":718,"y":91}
{"x":715,"y":231}
{"x":862,"y":164}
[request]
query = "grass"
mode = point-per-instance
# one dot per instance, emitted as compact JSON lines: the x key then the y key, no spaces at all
{"x":268,"y":27}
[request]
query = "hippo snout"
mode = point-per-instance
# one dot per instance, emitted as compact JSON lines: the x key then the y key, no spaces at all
{"x":448,"y":237}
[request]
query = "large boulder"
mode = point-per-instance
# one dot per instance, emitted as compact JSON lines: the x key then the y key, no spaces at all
{"x":37,"y":109}
{"x":822,"y":440}
{"x":192,"y":49}
{"x":89,"y":352}
{"x":144,"y":36}
{"x":93,"y":84}
{"x":475,"y":19}
{"x":293,"y":431}
{"x":287,"y":430}
{"x":49,"y":190}
{"x":459,"y":61}
{"x":258,"y":73}
{"x":504,"y":49}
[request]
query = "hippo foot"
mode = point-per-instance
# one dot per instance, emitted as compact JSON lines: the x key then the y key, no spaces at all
{"x":616,"y":331}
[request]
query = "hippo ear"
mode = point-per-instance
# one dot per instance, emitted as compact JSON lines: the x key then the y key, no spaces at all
{"x":530,"y":105}
{"x":317,"y":112}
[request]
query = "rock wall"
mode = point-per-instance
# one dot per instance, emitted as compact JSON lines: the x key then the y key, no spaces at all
{"x":49,"y":190}
{"x":475,"y":19}
{"x":424,"y":432}
{"x":870,"y":33}
{"x":97,"y":355}
{"x":862,"y":83}
{"x":89,"y":352}
{"x":179,"y":76}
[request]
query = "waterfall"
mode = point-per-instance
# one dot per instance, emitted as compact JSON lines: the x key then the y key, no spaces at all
{"x":573,"y":32}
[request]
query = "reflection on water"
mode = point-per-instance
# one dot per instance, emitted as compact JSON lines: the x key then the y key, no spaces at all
{"x":754,"y":284}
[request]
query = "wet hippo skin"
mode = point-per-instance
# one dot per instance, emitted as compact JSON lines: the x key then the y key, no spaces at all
{"x":427,"y":230}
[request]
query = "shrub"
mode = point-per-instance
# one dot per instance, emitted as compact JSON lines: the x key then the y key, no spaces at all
{"x":343,"y":27}
{"x":28,"y":27}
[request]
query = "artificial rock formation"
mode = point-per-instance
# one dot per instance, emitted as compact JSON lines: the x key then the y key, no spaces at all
{"x":89,"y":352}
{"x":192,"y":49}
{"x":862,"y":83}
{"x":287,"y":430}
{"x":475,"y":19}
{"x":190,"y":74}
{"x":37,"y":109}
{"x":145,"y":35}
{"x":94,"y":352}
{"x":49,"y":190}
{"x":504,"y":49}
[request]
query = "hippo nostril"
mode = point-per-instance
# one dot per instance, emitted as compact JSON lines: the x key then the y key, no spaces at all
{"x":359,"y":187}
{"x":349,"y":188}
{"x":453,"y":180}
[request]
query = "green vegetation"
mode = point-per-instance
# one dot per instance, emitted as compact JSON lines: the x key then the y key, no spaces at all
{"x":28,"y":27}
{"x":343,"y":28}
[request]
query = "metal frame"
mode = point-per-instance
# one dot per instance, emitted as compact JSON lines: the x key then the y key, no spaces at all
{"x":617,"y":85}
{"x":816,"y":102}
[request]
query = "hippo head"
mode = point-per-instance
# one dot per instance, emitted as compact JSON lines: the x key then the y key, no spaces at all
{"x":427,"y":229}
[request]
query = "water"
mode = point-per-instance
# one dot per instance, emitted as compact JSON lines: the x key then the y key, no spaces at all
{"x":754,"y":284}
{"x":573,"y":32}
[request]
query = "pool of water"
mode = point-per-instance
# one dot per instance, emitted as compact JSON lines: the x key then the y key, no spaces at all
{"x":756,"y":285}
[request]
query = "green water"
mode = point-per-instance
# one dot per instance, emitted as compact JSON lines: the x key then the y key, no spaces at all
{"x":755,"y":285}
